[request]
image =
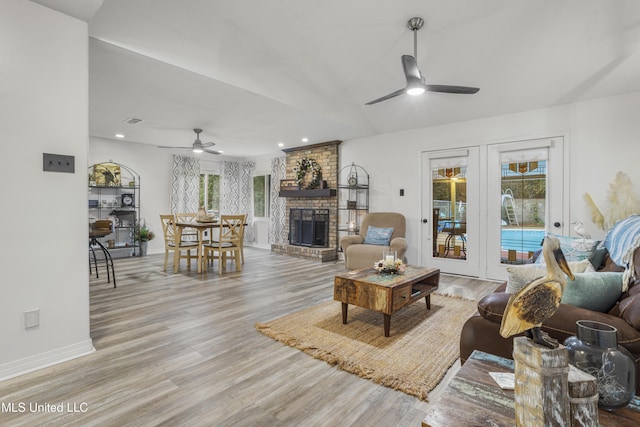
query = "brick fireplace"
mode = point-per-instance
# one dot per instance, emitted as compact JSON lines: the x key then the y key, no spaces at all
{"x":322,"y":199}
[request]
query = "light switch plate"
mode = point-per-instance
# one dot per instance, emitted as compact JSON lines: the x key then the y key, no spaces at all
{"x":58,"y":163}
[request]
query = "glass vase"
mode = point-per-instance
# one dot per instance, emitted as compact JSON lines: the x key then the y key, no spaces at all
{"x":595,"y":350}
{"x":389,"y":256}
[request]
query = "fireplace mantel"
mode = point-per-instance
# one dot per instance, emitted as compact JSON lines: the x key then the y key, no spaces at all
{"x":317,"y":192}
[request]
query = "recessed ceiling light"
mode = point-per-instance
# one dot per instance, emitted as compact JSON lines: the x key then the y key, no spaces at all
{"x":280,"y":144}
{"x":305,"y":139}
{"x":119,"y":135}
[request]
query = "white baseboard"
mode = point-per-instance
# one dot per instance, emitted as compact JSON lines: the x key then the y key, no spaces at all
{"x":46,"y":359}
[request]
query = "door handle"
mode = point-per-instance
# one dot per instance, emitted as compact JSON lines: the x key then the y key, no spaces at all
{"x":557,"y":224}
{"x":425,"y":220}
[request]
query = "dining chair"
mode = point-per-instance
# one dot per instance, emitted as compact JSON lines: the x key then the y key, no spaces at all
{"x":244,"y":221}
{"x":229,"y":239}
{"x":188,"y":235}
{"x":170,"y":244}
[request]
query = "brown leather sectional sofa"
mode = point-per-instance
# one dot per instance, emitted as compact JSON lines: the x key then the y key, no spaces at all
{"x":481,"y":331}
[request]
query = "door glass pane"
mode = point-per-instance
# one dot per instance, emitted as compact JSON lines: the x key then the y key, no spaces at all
{"x":449,"y":212}
{"x":523,"y":207}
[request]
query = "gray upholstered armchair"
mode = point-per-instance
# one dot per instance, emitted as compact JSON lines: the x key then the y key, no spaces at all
{"x":357,"y":254}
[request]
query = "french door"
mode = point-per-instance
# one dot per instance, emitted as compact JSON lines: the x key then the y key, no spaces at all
{"x":486,"y":208}
{"x":451,"y":187}
{"x":526,"y":184}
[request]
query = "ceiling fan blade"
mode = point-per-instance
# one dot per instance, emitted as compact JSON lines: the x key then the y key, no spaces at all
{"x":411,"y":70}
{"x":211,"y":151}
{"x":208,"y":144}
{"x":181,"y":148}
{"x":384,"y":98}
{"x":465,"y":90}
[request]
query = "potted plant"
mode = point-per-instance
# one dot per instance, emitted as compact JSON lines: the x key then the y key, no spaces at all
{"x":142,"y":237}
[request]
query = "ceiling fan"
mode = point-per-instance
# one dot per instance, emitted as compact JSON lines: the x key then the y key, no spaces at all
{"x":198,"y":146}
{"x":415,"y":80}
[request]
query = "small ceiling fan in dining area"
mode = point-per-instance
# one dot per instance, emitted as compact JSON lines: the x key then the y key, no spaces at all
{"x":198,"y":146}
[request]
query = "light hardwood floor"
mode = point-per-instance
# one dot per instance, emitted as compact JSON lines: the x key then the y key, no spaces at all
{"x":182,"y":350}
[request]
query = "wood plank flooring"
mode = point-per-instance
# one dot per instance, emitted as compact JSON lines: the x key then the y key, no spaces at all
{"x":182,"y":350}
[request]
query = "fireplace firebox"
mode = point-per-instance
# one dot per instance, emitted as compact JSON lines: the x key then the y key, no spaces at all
{"x":309,"y":227}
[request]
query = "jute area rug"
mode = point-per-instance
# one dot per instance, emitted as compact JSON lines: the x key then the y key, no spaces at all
{"x":423,"y":344}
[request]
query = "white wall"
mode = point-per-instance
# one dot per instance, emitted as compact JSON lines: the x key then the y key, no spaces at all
{"x":602,"y":135}
{"x":43,"y":258}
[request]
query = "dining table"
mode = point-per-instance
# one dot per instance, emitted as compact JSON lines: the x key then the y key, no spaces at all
{"x":201,"y":227}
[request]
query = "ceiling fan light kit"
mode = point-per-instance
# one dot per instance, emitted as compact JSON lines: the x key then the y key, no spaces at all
{"x":415,"y":80}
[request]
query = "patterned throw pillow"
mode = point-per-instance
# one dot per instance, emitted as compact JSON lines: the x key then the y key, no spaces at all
{"x":574,"y":248}
{"x":520,"y":275}
{"x":378,"y":236}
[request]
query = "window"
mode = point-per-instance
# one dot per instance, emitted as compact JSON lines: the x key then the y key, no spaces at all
{"x":210,"y":191}
{"x":261,"y":190}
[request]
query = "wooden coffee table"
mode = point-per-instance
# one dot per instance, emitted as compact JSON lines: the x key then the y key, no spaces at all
{"x":386,"y":293}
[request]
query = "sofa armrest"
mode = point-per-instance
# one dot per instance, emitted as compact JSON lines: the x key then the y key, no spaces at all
{"x":347,"y":241}
{"x":492,"y":306}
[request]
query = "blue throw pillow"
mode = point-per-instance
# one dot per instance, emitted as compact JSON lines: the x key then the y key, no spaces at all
{"x":574,"y":248}
{"x":597,"y":291}
{"x":378,"y":236}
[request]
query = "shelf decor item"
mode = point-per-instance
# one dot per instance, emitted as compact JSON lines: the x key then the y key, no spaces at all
{"x":595,"y":351}
{"x":289,"y":184}
{"x":352,"y":181}
{"x":106,"y":174}
{"x":389,"y":264}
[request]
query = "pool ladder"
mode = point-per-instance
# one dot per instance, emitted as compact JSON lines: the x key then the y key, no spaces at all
{"x":509,"y":206}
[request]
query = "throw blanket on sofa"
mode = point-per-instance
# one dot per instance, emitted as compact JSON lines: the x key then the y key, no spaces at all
{"x":621,"y":242}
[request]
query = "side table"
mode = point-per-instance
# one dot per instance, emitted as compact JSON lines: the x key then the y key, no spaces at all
{"x":472,"y":398}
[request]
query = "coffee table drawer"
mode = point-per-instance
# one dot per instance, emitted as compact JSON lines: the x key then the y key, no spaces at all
{"x":361,"y":295}
{"x":401,"y":297}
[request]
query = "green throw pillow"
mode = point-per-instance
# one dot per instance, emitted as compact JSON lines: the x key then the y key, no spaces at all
{"x":597,"y":291}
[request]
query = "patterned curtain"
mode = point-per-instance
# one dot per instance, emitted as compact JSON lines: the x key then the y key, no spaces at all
{"x":246,"y":198}
{"x":278,"y":206}
{"x":185,"y":184}
{"x":229,"y":188}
